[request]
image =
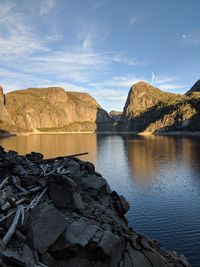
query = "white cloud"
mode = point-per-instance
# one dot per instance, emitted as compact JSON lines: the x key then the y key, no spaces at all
{"x":125,"y":81}
{"x":133,"y":19}
{"x":46,"y":6}
{"x":87,"y":42}
{"x":120,"y":58}
{"x":16,"y":37}
{"x":162,"y":79}
{"x":166,"y":83}
{"x":171,"y":87}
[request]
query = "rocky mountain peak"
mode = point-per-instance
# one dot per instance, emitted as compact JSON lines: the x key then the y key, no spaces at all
{"x":143,"y":96}
{"x":144,"y":86}
{"x":195,"y":88}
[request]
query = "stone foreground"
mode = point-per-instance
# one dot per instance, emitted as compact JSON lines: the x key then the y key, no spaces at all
{"x":61,"y":212}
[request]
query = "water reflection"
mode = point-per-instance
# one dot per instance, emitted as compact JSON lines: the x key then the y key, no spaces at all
{"x":146,"y":154}
{"x":54,"y":145}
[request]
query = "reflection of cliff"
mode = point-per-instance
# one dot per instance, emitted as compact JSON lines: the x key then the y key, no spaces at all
{"x":54,"y":145}
{"x":146,"y":151}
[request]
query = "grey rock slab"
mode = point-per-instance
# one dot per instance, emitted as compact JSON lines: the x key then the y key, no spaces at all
{"x":106,"y":247}
{"x":76,"y":262}
{"x":126,"y":260}
{"x":145,"y":244}
{"x":47,"y":259}
{"x":155,"y":258}
{"x":137,"y":257}
{"x":78,"y":202}
{"x":61,"y":189}
{"x":19,"y":257}
{"x":46,"y":225}
{"x":121,"y":205}
{"x":76,"y":236}
{"x":95,"y":184}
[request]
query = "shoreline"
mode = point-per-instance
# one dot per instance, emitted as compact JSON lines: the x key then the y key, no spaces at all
{"x":175,"y":133}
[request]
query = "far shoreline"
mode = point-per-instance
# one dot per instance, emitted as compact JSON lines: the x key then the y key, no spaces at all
{"x":171,"y":133}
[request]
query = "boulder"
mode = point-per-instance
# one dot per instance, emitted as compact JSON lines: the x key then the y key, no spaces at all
{"x":120,"y":203}
{"x":62,"y":191}
{"x":45,"y":226}
{"x":75,"y":238}
{"x":104,"y":249}
{"x":95,"y":185}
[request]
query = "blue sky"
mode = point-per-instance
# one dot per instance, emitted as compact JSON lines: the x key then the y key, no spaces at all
{"x":100,"y":47}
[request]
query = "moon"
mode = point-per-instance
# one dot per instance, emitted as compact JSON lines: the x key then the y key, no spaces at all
{"x":183,"y":36}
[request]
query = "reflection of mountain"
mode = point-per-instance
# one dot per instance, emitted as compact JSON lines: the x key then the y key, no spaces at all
{"x":147,"y":155}
{"x":54,"y":145}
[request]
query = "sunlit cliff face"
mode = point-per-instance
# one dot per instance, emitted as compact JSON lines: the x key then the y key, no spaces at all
{"x":49,"y":108}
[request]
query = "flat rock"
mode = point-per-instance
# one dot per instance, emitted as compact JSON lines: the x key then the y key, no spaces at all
{"x":76,"y":236}
{"x":46,"y":225}
{"x":106,"y":247}
{"x":95,"y":185}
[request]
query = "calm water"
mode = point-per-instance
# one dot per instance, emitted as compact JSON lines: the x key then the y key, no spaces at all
{"x":160,"y":177}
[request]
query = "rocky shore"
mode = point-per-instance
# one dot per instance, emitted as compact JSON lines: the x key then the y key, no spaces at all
{"x":60,"y":212}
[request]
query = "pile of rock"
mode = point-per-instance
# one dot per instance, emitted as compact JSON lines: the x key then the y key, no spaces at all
{"x":60,"y":212}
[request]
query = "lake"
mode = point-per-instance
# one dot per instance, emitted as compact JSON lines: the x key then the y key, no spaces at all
{"x":159,"y":176}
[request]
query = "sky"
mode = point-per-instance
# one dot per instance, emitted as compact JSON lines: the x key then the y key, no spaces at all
{"x":100,"y":46}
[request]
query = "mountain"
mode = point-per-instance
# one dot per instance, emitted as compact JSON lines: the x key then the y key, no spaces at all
{"x":147,"y":110}
{"x":151,"y":110}
{"x":6,"y":122}
{"x":116,"y":115}
{"x":195,"y":88}
{"x":143,"y":96}
{"x":54,"y":109}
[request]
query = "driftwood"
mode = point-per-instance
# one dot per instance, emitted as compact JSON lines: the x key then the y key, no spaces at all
{"x":69,"y":156}
{"x":30,"y":191}
{"x":21,"y":188}
{"x":4,"y":182}
{"x":36,"y":200}
{"x":13,"y":226}
{"x":44,"y":169}
{"x":8,"y":215}
{"x":39,"y":264}
{"x":8,"y":204}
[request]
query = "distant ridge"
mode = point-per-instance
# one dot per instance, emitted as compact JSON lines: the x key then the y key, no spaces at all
{"x":147,"y":110}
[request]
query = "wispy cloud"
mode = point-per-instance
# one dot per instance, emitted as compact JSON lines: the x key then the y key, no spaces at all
{"x":134,"y":19}
{"x":120,"y":82}
{"x":191,"y":39}
{"x":166,"y":83}
{"x":113,"y":92}
{"x":99,"y":4}
{"x":33,"y":58}
{"x":162,"y":79}
{"x":16,"y":37}
{"x":172,"y":87}
{"x":120,"y":58}
{"x":46,"y":6}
